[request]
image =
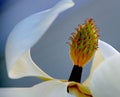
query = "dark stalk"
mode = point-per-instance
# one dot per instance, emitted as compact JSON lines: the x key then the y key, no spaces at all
{"x":76,"y":74}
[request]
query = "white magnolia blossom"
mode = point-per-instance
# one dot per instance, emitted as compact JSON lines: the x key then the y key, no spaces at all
{"x":104,"y":77}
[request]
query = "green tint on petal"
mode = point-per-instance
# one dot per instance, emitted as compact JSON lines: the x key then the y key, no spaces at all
{"x":53,"y":88}
{"x":24,"y":35}
{"x":105,"y":81}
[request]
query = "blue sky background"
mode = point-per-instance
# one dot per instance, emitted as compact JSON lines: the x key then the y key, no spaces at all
{"x":51,"y":53}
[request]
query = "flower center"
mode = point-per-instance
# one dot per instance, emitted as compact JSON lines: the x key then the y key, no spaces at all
{"x":83,"y":44}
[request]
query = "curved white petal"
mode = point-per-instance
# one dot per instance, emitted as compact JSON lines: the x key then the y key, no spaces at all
{"x":106,"y":49}
{"x":26,"y":67}
{"x":53,"y":88}
{"x":98,"y":58}
{"x":25,"y":35}
{"x":105,"y":81}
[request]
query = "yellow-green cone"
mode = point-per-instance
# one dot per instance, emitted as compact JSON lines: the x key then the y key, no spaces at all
{"x":84,"y":43}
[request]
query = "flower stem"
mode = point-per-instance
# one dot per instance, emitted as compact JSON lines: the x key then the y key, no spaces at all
{"x":76,"y":74}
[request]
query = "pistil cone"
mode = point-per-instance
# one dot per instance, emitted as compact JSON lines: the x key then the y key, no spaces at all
{"x":83,"y":43}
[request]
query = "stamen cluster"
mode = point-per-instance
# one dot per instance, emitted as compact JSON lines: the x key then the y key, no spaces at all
{"x":83,"y":43}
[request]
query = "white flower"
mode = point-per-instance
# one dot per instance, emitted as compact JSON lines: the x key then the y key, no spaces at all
{"x":103,"y":80}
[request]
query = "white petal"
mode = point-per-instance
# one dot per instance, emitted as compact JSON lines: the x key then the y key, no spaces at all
{"x":98,"y":58}
{"x":25,"y":35}
{"x":106,"y":78}
{"x":53,"y":88}
{"x":106,"y":49}
{"x":26,"y":67}
{"x":15,"y":92}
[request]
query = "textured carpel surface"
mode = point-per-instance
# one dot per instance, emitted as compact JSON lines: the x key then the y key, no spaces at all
{"x":83,"y":43}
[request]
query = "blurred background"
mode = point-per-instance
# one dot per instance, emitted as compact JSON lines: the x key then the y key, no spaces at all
{"x":51,"y":53}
